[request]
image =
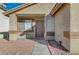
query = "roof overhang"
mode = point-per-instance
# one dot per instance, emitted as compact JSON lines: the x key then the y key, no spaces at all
{"x":53,"y":11}
{"x":56,"y":8}
{"x":7,"y":13}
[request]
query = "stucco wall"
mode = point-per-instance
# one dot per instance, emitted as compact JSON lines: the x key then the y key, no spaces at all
{"x":13,"y":22}
{"x":3,"y":20}
{"x":49,"y":26}
{"x":13,"y":27}
{"x":74,"y":28}
{"x":4,"y":23}
{"x":62,"y":24}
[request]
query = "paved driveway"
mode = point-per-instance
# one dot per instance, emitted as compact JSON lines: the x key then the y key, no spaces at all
{"x":16,"y":47}
{"x":23,"y":47}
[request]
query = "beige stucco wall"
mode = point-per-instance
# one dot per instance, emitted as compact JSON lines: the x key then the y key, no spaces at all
{"x":13,"y":22}
{"x":3,"y":20}
{"x":62,"y":23}
{"x":49,"y":26}
{"x":4,"y":23}
{"x":74,"y":27}
{"x":12,"y":27}
{"x":74,"y":17}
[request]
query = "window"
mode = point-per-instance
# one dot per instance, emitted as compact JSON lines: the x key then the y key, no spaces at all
{"x":28,"y":25}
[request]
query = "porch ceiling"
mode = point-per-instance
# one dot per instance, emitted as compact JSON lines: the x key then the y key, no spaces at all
{"x":30,"y":16}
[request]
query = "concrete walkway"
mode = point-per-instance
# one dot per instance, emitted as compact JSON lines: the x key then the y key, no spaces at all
{"x":40,"y":47}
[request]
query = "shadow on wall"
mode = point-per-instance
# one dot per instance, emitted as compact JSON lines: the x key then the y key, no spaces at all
{"x":5,"y":35}
{"x":28,"y":31}
{"x":54,"y":44}
{"x":39,"y":40}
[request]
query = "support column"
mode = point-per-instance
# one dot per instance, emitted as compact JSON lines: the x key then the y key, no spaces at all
{"x":49,"y":27}
{"x":13,"y":27}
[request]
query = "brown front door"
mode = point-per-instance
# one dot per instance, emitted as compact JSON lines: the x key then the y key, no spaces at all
{"x":39,"y":28}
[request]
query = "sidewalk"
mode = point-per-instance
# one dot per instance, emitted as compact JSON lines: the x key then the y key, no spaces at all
{"x":40,"y":48}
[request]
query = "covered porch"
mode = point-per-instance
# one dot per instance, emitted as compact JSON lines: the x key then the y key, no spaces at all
{"x":26,"y":26}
